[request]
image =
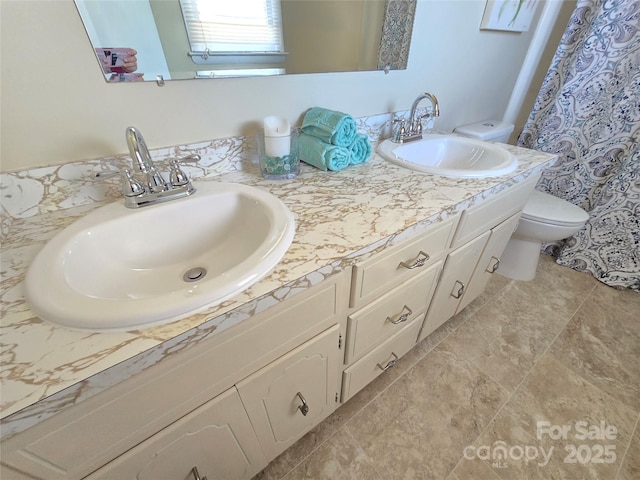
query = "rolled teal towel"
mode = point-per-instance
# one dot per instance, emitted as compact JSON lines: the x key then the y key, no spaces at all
{"x":321,"y":154}
{"x":333,"y":127}
{"x":360,"y":149}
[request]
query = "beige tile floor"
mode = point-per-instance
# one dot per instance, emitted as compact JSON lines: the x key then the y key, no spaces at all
{"x":563,"y":349}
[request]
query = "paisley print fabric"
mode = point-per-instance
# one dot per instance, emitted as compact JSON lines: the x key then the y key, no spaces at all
{"x":588,"y":112}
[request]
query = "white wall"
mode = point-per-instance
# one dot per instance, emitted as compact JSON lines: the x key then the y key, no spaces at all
{"x":57,"y":108}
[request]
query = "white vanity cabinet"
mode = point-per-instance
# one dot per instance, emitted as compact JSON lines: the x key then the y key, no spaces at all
{"x":231,"y":402}
{"x":171,"y":413}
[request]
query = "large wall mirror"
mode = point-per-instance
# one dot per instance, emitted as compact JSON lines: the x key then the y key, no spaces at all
{"x":188,"y":39}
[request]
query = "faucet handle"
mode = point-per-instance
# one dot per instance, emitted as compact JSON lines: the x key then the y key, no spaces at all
{"x":130,"y":186}
{"x":193,"y":158}
{"x":401,"y":131}
{"x":177,"y":177}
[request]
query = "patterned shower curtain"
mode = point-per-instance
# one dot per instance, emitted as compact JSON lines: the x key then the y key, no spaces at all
{"x":588,"y":112}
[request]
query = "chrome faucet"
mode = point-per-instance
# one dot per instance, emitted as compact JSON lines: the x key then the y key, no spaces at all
{"x":138,"y":150}
{"x":144,"y":184}
{"x":414,"y":129}
{"x":143,"y":165}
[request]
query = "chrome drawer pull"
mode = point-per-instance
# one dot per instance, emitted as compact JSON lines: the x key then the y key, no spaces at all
{"x":390,"y":363}
{"x":420,"y":260}
{"x":495,"y":266}
{"x":402,"y":317}
{"x":304,"y":408}
{"x":196,"y":475}
{"x":460,"y":291}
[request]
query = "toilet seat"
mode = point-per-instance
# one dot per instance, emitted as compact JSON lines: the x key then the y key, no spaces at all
{"x":545,"y":208}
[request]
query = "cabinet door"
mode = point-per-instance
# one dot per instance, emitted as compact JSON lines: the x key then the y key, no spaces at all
{"x":457,"y":271}
{"x":288,"y":397}
{"x":217,"y":438}
{"x":489,"y":260}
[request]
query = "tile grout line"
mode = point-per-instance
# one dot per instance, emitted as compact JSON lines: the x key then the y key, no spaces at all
{"x":487,"y":301}
{"x":613,"y":399}
{"x":586,"y":381}
{"x":420,"y":358}
{"x":624,"y":455}
{"x":607,"y":394}
{"x":411,"y":365}
{"x":517,"y":387}
{"x":374,"y":465}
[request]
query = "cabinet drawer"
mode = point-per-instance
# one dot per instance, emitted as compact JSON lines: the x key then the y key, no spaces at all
{"x":357,"y":376}
{"x":382,"y":272}
{"x":377,"y":321}
{"x":480,"y":218}
{"x":217,"y":438}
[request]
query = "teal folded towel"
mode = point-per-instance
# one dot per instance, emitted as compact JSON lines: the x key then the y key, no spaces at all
{"x":333,"y":127}
{"x":321,"y":154}
{"x":360,"y":149}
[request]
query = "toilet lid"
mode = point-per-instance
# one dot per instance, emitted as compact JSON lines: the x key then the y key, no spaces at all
{"x":546,"y":208}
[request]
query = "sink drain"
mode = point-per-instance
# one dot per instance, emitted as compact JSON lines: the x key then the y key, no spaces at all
{"x":194,"y":274}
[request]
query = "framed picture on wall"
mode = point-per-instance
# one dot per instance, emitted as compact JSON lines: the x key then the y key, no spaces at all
{"x":508,"y":15}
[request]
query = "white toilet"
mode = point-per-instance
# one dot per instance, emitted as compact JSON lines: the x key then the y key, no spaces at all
{"x":545,"y":218}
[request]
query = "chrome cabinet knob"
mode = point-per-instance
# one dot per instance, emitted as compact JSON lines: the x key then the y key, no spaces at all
{"x":495,"y":266}
{"x":458,"y":293}
{"x":402,"y":316}
{"x":390,"y":363}
{"x":419,"y":261}
{"x":304,"y":408}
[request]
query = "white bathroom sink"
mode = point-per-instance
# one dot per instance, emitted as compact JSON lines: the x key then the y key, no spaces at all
{"x":450,"y":156}
{"x":124,"y":269}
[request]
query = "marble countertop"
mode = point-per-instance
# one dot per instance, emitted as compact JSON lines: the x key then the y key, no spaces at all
{"x":341,"y":217}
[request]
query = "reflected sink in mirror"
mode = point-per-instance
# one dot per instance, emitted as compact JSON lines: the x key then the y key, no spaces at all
{"x":120,"y":269}
{"x":450,"y":156}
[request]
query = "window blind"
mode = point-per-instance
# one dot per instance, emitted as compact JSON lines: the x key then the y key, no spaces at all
{"x":219,"y":30}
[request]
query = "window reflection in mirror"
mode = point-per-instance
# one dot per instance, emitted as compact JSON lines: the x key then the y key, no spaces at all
{"x":314,"y":36}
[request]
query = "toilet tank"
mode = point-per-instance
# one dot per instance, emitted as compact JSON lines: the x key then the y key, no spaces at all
{"x":490,"y":130}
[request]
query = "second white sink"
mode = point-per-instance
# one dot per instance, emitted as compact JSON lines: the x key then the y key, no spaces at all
{"x":451,"y":156}
{"x":123,"y":269}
